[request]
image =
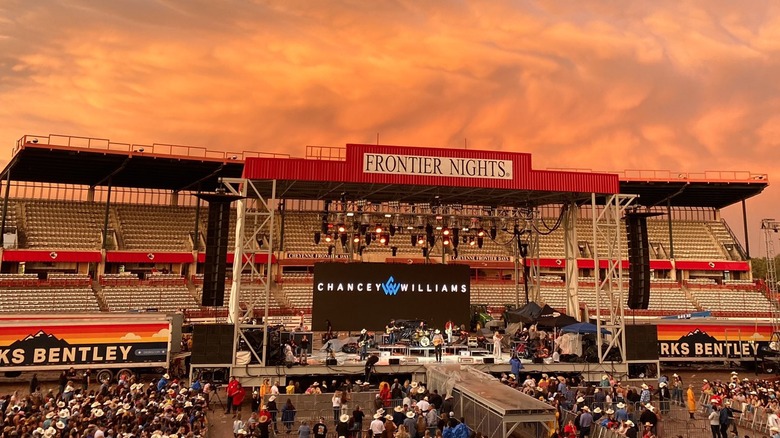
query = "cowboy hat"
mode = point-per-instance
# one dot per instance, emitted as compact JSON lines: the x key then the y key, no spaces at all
{"x":414,"y":385}
{"x":183,"y":391}
{"x":436,"y":331}
{"x":585,"y":408}
{"x":363,"y":331}
{"x":60,"y":404}
{"x":580,"y":399}
{"x":389,"y":417}
{"x":644,"y":386}
{"x":263,"y":418}
{"x":64,"y":413}
{"x":98,"y":413}
{"x":662,"y":384}
{"x":398,"y":409}
{"x":241,"y":432}
{"x":774,"y":429}
{"x":60,"y":425}
{"x":630,"y":423}
{"x":604,"y":377}
{"x":271,"y":398}
{"x":621,"y":405}
{"x":344,"y":418}
{"x":166,"y":376}
{"x":377,"y":416}
{"x":609,"y":412}
{"x":597,"y":410}
{"x":648,"y":424}
{"x":410,"y":414}
{"x":421,"y":390}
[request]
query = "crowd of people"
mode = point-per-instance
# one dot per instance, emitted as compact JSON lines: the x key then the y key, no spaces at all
{"x":629,"y":411}
{"x":164,"y":408}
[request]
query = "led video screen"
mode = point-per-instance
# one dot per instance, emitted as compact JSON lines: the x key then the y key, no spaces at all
{"x":354,"y":296}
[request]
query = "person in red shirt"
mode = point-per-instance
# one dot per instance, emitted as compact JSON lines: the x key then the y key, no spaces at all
{"x":238,"y":398}
{"x":232,"y":389}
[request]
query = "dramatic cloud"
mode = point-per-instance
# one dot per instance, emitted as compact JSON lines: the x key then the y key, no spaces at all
{"x":664,"y":85}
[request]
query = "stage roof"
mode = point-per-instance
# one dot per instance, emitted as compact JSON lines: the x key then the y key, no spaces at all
{"x":89,"y":161}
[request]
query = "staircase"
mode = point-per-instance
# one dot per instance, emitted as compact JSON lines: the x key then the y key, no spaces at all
{"x":690,"y":297}
{"x":101,"y":300}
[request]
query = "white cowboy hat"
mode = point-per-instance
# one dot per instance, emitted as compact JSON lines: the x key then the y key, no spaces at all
{"x":604,"y":377}
{"x":585,"y":408}
{"x":410,"y":414}
{"x":630,"y":423}
{"x":414,"y":385}
{"x":650,"y":407}
{"x":64,"y":413}
{"x":363,"y":331}
{"x":271,"y":398}
{"x":389,"y":417}
{"x":436,"y":331}
{"x":98,"y":413}
{"x":597,"y":410}
{"x":344,"y":418}
{"x":398,"y":409}
{"x":421,"y":390}
{"x":662,"y":384}
{"x":621,"y":405}
{"x":60,"y":425}
{"x":377,"y":416}
{"x":166,"y":376}
{"x":609,"y":412}
{"x":60,"y":404}
{"x":644,"y":386}
{"x":580,"y":399}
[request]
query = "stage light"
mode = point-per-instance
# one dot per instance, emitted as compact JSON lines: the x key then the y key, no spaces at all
{"x":378,"y":229}
{"x":383,"y":239}
{"x":350,"y":214}
{"x":445,"y":241}
{"x":388,"y":215}
{"x":341,"y":228}
{"x":481,"y":232}
{"x":317,"y":237}
{"x":328,"y":238}
{"x":465,"y":228}
{"x":472,"y":242}
{"x":420,"y":240}
{"x":445,"y":231}
{"x":356,"y":238}
{"x":438,"y":228}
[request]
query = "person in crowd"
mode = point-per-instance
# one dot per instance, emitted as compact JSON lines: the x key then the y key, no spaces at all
{"x":288,"y":417}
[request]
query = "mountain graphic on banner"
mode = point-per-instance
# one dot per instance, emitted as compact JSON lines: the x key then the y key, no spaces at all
{"x":697,"y":336}
{"x":39,"y":340}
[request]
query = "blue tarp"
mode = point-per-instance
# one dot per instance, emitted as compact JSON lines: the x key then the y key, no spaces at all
{"x":583,"y":328}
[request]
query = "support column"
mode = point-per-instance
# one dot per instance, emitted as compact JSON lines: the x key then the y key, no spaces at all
{"x":105,"y":216}
{"x":571,"y":250}
{"x":5,"y":207}
{"x":174,"y":199}
{"x":91,"y":194}
{"x":234,"y":315}
{"x":669,"y":222}
{"x":745,"y":228}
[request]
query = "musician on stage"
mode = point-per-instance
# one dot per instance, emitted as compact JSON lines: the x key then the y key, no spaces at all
{"x":390,"y":330}
{"x":449,"y":328}
{"x":363,"y":344}
{"x":438,"y":342}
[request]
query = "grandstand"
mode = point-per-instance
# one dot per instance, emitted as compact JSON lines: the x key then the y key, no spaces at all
{"x":72,"y":249}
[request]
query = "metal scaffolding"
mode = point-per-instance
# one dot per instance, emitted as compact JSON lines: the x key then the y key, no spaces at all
{"x":770,"y":227}
{"x":254,"y":239}
{"x":608,"y":235}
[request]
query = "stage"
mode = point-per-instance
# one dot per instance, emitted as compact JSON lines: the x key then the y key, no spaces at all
{"x":414,"y":361}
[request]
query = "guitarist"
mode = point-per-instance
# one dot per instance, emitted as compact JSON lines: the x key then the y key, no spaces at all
{"x":363,"y":344}
{"x":449,"y":328}
{"x":438,"y":342}
{"x":390,"y":330}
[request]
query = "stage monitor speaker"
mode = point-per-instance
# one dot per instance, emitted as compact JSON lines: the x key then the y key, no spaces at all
{"x":394,"y":361}
{"x":644,"y":342}
{"x":638,"y":261}
{"x":217,"y":234}
{"x":488,"y":360}
{"x":331,"y":361}
{"x":212,"y":344}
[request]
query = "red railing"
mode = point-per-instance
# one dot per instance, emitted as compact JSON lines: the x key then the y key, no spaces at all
{"x":676,"y":176}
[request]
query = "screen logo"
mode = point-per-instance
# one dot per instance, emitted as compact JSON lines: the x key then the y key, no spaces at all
{"x":390,"y":286}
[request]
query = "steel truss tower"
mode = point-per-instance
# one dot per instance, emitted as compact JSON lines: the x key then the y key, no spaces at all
{"x":255,"y":237}
{"x":608,"y":235}
{"x":770,"y":227}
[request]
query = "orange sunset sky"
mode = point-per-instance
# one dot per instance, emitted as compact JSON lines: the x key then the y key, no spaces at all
{"x":684,"y":86}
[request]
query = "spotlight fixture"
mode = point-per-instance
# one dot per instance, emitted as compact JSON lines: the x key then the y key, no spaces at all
{"x":421,"y":240}
{"x":350,"y":214}
{"x":378,"y":229}
{"x":472,"y":242}
{"x":383,"y":239}
{"x":356,"y":238}
{"x":328,"y":238}
{"x":445,"y":231}
{"x":388,"y":215}
{"x":341,"y":228}
{"x":445,"y":241}
{"x":481,"y":232}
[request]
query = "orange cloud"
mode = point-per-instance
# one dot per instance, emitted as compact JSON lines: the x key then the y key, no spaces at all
{"x":670,"y":85}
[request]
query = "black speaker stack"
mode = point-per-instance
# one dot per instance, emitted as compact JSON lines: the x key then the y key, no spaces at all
{"x":217,"y":235}
{"x":638,"y":261}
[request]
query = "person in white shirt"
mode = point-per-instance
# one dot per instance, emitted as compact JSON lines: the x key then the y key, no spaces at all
{"x":275,"y":389}
{"x":377,"y":426}
{"x":423,"y":404}
{"x":237,"y":425}
{"x":772,"y":420}
{"x":497,"y":345}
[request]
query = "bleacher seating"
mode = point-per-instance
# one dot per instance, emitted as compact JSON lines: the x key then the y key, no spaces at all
{"x":162,"y":298}
{"x":63,"y":224}
{"x":156,"y":227}
{"x":720,"y":299}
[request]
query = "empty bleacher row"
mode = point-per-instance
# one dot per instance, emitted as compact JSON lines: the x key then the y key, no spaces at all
{"x":65,"y":293}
